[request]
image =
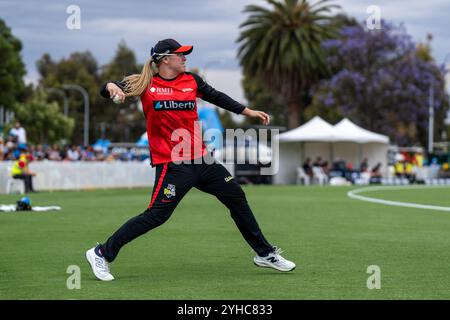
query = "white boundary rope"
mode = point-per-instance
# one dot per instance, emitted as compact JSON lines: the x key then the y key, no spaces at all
{"x":354,"y":195}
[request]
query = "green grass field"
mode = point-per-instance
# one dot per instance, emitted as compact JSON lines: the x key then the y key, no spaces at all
{"x":199,"y":253}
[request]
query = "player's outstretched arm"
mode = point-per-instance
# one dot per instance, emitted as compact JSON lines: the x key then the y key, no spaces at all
{"x":111,"y":89}
{"x":264,"y":117}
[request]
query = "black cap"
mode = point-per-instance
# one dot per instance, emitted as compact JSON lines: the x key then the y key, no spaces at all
{"x":168,"y":46}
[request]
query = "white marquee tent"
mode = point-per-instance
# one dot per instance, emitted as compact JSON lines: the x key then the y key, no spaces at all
{"x":314,"y":130}
{"x":317,"y":137}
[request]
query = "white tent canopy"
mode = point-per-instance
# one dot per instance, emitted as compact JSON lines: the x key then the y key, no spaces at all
{"x":318,"y":130}
{"x":345,"y":130}
{"x":317,"y":137}
{"x":315,"y":129}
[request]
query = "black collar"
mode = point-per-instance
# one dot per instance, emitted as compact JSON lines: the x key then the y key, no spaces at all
{"x":159,"y":76}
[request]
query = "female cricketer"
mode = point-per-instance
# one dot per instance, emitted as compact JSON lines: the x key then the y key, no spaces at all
{"x":168,"y":94}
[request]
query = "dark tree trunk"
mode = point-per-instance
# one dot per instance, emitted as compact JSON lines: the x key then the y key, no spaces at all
{"x":294,"y":109}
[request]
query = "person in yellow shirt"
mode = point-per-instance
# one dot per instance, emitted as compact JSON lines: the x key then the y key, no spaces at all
{"x":409,"y":172}
{"x":399,"y":169}
{"x":20,"y":170}
{"x":418,"y":159}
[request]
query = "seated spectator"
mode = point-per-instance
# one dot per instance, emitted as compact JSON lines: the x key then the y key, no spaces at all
{"x":63,"y":153}
{"x":88,"y":154}
{"x":400,"y":169}
{"x":338,"y":168}
{"x":8,"y":150}
{"x":307,"y":167}
{"x":20,"y":171}
{"x":39,"y":153}
{"x":325,"y":167}
{"x":99,"y":155}
{"x":409,"y":172}
{"x":2,"y":149}
{"x":53,"y":153}
{"x":364,"y":166}
{"x":318,"y":162}
{"x":73,"y":153}
{"x":375,"y":174}
{"x":350,"y":174}
{"x":110,"y":158}
{"x":16,"y":152}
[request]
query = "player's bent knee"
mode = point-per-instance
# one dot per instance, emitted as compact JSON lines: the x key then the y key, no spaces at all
{"x":155,"y":217}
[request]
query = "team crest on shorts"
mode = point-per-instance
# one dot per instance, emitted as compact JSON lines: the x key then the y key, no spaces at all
{"x":169,"y":191}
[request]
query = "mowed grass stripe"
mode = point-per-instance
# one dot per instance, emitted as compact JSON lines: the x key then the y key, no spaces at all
{"x":199,"y":253}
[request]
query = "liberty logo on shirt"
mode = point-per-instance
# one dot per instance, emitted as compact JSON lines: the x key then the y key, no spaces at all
{"x":169,"y":105}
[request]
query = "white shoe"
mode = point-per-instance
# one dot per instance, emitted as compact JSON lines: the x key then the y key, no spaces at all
{"x":274,"y":260}
{"x":99,"y":265}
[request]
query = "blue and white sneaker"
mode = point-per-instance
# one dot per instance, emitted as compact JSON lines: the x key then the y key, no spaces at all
{"x":99,"y":265}
{"x":274,"y":260}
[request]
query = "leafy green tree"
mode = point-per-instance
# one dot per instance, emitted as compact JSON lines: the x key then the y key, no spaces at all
{"x":381,"y":80}
{"x":122,"y":64}
{"x":107,"y":120}
{"x":123,"y":122}
{"x":80,"y":68}
{"x":282,"y":48}
{"x":261,"y":99}
{"x":12,"y":68}
{"x":43,"y":120}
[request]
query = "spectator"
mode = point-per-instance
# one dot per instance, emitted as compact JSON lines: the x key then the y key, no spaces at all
{"x":53,"y":153}
{"x":364,"y":166}
{"x":73,"y":153}
{"x":99,"y":155}
{"x":375,"y":174}
{"x":325,"y":167}
{"x":418,"y":159}
{"x":63,"y":153}
{"x":88,"y":154}
{"x":409,"y":172}
{"x":110,"y":158}
{"x":400,"y":169}
{"x":2,"y":149}
{"x":19,"y":133}
{"x":338,"y":169}
{"x":318,"y":162}
{"x":307,"y":167}
{"x":20,"y":171}
{"x":39,"y":153}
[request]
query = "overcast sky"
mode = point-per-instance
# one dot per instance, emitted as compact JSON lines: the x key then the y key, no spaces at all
{"x":212,"y":26}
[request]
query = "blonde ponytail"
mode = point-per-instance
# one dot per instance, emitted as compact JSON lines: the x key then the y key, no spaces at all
{"x":136,"y":84}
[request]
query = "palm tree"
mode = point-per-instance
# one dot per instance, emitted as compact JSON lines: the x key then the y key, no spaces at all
{"x":282,"y":47}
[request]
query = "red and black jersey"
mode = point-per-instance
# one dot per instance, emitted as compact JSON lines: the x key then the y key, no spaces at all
{"x":170,"y":108}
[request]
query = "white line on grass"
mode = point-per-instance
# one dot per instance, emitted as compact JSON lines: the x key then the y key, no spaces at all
{"x":354,"y":195}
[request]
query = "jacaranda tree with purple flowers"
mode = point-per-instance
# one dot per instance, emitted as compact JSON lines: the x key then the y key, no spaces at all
{"x":381,"y":83}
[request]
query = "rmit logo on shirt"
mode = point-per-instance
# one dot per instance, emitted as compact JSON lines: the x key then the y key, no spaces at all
{"x":165,"y":105}
{"x":166,"y":91}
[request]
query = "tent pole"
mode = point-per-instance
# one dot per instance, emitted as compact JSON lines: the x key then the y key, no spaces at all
{"x":360,"y":155}
{"x":302,"y":153}
{"x":331,"y":153}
